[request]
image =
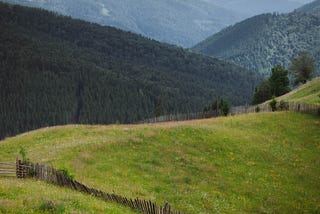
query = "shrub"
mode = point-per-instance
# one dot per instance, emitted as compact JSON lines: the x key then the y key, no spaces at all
{"x":48,"y":206}
{"x":225,"y":108}
{"x":66,"y":172}
{"x":23,"y":154}
{"x":257,"y":109}
{"x":283,"y":105}
{"x":273,"y":104}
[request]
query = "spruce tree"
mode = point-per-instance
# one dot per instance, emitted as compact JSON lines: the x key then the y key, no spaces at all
{"x":302,"y":67}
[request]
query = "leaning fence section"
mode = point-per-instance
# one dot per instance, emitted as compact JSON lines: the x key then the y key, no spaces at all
{"x":51,"y":175}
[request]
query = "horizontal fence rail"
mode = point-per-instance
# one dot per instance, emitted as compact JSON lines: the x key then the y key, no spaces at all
{"x":51,"y":175}
{"x":181,"y":117}
{"x":7,"y":169}
{"x":265,"y":107}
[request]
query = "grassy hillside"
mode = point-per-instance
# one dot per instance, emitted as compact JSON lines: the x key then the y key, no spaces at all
{"x":55,"y":70}
{"x":307,"y":93}
{"x":261,"y":42}
{"x":261,"y":163}
{"x":29,"y":196}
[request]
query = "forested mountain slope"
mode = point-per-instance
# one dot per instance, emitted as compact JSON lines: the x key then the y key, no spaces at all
{"x":313,"y":7}
{"x":166,"y":20}
{"x":179,"y":22}
{"x":56,"y":70}
{"x":261,"y":42}
{"x":257,"y":7}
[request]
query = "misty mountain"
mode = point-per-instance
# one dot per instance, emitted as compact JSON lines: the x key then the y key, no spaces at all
{"x":257,"y":7}
{"x":57,"y":70}
{"x":177,"y":22}
{"x":180,"y":22}
{"x":261,"y":42}
{"x":313,"y":7}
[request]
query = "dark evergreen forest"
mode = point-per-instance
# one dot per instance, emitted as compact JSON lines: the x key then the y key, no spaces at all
{"x":55,"y":70}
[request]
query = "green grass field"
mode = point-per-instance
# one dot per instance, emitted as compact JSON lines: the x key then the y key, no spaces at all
{"x":308,"y":93}
{"x":261,"y":163}
{"x":29,"y":196}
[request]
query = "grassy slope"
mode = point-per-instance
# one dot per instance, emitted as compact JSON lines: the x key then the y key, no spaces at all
{"x":28,"y":196}
{"x":307,"y":93}
{"x":250,"y":163}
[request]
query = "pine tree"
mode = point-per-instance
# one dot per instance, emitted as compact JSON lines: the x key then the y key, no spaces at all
{"x":302,"y":67}
{"x":279,"y":81}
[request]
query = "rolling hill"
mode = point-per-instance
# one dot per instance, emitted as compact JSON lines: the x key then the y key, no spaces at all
{"x":265,"y":162}
{"x":307,"y":93}
{"x":57,"y":70}
{"x":261,"y":42}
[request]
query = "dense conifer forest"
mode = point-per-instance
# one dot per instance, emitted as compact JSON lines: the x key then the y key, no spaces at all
{"x":261,"y":42}
{"x":313,"y":7}
{"x":57,"y":70}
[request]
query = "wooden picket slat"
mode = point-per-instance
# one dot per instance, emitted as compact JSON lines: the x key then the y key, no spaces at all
{"x":7,"y":172}
{"x":7,"y":164}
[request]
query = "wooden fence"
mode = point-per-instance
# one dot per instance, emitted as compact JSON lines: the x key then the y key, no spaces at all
{"x":181,"y":117}
{"x":7,"y":169}
{"x":265,"y":107}
{"x":281,"y":106}
{"x":51,"y":175}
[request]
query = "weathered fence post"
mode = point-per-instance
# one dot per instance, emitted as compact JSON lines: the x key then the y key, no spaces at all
{"x":18,"y":169}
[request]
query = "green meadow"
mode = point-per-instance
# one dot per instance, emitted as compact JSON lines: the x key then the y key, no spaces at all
{"x":261,"y":163}
{"x":307,"y":93}
{"x":30,"y":196}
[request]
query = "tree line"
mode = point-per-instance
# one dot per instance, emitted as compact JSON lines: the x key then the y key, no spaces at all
{"x":302,"y":69}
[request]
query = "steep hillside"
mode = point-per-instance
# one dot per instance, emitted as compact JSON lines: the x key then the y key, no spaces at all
{"x":56,"y":70}
{"x":243,"y":164}
{"x":307,"y":93}
{"x":313,"y":7}
{"x":261,"y":42}
{"x":166,"y":20}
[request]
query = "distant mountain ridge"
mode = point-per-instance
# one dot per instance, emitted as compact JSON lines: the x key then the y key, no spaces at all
{"x":261,"y":42}
{"x":257,"y":7}
{"x":313,"y":7}
{"x":179,"y":22}
{"x":56,"y":70}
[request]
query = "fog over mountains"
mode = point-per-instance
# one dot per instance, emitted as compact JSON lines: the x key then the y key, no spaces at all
{"x":180,"y":22}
